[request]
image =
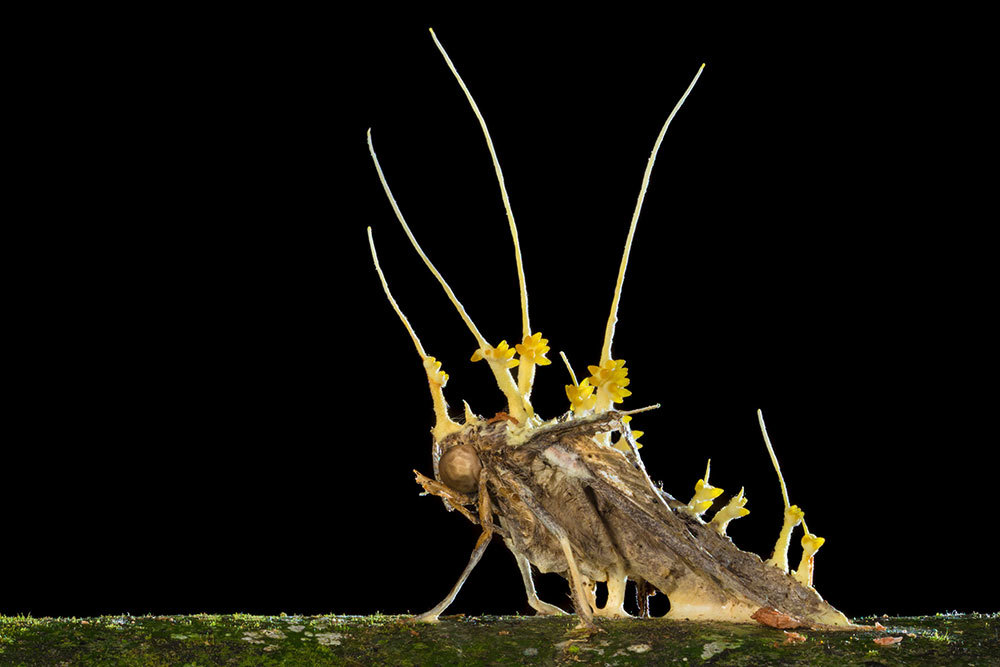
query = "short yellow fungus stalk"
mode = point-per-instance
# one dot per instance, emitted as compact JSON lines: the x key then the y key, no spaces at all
{"x":734,"y":509}
{"x":532,"y":353}
{"x":704,"y":494}
{"x":793,"y":517}
{"x":810,"y":545}
{"x":470,"y":416}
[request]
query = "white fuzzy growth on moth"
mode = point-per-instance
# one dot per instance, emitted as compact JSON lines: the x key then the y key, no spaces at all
{"x":567,"y":462}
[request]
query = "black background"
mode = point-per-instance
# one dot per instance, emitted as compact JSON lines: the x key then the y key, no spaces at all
{"x":215,"y":409}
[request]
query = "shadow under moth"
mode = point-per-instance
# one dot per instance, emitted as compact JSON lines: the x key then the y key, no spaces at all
{"x":571,"y":495}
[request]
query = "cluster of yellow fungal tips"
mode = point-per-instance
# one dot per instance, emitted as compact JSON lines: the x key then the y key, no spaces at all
{"x":581,"y":397}
{"x":610,"y":378}
{"x":704,"y":494}
{"x":734,"y":509}
{"x":435,"y":376}
{"x":533,"y":348}
{"x":499,"y":354}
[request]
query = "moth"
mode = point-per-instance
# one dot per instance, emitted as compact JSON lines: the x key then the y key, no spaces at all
{"x":571,"y":494}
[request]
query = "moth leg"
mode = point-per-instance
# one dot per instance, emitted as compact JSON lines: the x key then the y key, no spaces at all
{"x":643,"y":591}
{"x":590,"y":588}
{"x":485,"y":518}
{"x":542,"y":608}
{"x":615,"y":605}
{"x":452,"y":499}
{"x":576,"y":580}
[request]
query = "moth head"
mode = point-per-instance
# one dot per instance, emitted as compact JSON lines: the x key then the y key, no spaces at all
{"x":460,"y":468}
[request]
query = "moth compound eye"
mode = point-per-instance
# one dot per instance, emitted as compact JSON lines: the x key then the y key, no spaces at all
{"x":460,"y":468}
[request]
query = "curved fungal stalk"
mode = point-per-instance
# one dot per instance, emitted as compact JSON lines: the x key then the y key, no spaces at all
{"x":435,"y":378}
{"x":565,"y":499}
{"x":609,"y":331}
{"x":517,"y":404}
{"x":793,"y":516}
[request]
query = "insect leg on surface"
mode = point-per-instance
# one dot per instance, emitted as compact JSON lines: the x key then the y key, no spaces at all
{"x":486,"y":520}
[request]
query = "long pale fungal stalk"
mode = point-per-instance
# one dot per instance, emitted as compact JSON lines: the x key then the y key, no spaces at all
{"x":436,"y":379}
{"x":793,"y":516}
{"x":529,"y":346}
{"x":515,"y":401}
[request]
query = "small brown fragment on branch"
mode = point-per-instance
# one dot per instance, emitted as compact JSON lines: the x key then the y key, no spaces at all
{"x":879,"y":626}
{"x":773,"y":618}
{"x":501,"y":416}
{"x":887,"y":641}
{"x":793,"y":637}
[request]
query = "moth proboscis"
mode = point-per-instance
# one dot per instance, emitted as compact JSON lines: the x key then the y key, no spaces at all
{"x":567,"y":496}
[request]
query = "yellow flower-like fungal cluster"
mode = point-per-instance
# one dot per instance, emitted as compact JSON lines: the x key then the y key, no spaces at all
{"x":704,"y":494}
{"x":581,"y":397}
{"x":501,"y":352}
{"x":612,"y":377}
{"x":810,"y":545}
{"x":734,"y":509}
{"x":434,"y":373}
{"x":533,"y":348}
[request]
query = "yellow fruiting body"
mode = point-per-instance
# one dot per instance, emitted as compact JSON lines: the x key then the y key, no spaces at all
{"x":610,"y":378}
{"x":501,"y":353}
{"x":581,"y":397}
{"x":622,"y":443}
{"x":734,"y":509}
{"x":793,"y":517}
{"x":704,"y":494}
{"x":533,"y":349}
{"x":810,"y":545}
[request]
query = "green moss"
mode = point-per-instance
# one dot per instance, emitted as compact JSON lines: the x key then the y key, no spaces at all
{"x":243,"y":639}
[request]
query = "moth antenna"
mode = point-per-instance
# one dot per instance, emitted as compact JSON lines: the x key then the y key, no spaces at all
{"x":609,"y":332}
{"x":525,"y":325}
{"x":518,"y":404}
{"x":435,"y":378}
{"x":655,"y":406}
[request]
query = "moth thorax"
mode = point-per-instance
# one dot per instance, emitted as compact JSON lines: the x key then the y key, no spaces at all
{"x":460,"y":468}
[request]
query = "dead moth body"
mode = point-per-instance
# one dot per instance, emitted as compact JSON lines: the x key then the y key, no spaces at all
{"x":572,"y":496}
